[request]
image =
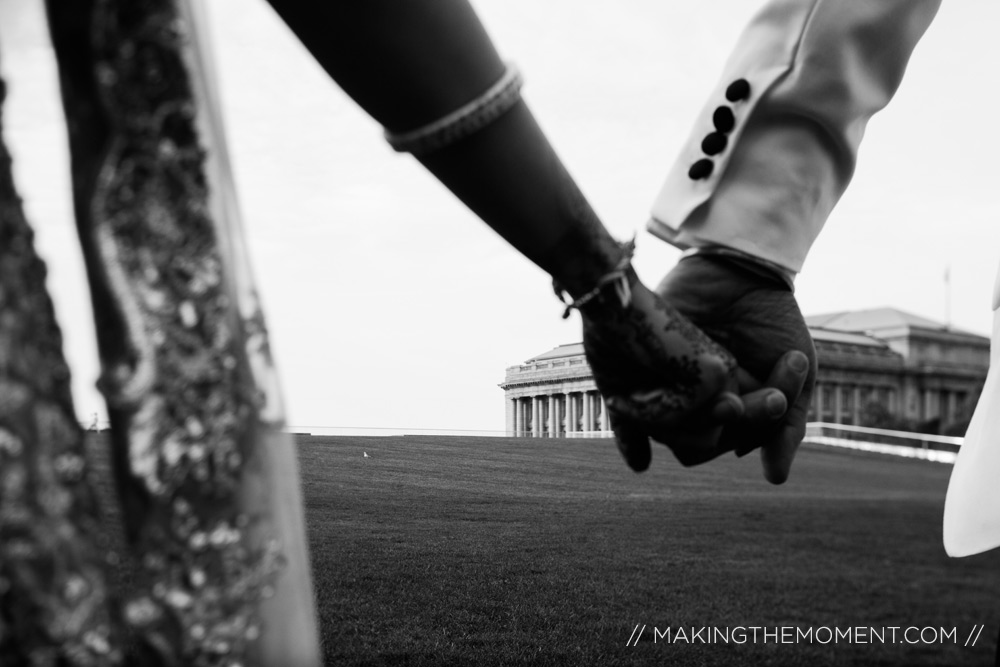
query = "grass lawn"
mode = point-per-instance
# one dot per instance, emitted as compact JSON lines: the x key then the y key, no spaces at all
{"x":462,"y":551}
{"x":493,"y":551}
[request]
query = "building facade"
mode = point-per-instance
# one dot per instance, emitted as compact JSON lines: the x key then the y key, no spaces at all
{"x":881,"y":367}
{"x":885,"y":367}
{"x":554,"y":395}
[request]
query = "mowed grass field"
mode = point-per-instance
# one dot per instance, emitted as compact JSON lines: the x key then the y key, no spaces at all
{"x":487,"y":551}
{"x":498,"y":551}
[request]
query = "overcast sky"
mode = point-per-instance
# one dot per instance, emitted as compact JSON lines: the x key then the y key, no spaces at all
{"x":390,"y":305}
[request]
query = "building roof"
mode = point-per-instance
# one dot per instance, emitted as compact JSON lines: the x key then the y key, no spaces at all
{"x":576,"y":349}
{"x":850,"y":338}
{"x":564,"y":350}
{"x":876,"y":319}
{"x":853,"y":327}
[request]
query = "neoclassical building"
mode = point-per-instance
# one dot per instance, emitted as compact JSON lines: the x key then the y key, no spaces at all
{"x":882,"y":363}
{"x":554,"y":394}
{"x":918,"y":371}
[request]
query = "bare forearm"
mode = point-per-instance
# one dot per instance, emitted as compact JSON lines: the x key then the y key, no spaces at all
{"x":510,"y":176}
{"x":409,"y":64}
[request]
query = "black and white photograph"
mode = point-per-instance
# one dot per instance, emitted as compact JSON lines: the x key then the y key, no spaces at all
{"x":499,"y":332}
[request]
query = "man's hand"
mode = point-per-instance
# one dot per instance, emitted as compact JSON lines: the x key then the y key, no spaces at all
{"x":756,"y":317}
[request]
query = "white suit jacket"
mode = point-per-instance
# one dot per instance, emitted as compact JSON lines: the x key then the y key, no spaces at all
{"x":775,"y":148}
{"x":762,"y":171}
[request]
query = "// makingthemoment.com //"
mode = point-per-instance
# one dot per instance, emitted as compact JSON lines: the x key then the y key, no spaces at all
{"x":791,"y":634}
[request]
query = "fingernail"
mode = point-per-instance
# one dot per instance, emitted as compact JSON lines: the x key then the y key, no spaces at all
{"x":776,"y":404}
{"x":798,"y":362}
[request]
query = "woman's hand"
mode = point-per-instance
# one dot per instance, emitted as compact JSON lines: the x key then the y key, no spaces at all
{"x":658,"y":373}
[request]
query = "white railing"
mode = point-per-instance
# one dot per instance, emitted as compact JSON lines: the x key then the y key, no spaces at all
{"x":940,"y":448}
{"x":393,"y":431}
{"x":587,"y":434}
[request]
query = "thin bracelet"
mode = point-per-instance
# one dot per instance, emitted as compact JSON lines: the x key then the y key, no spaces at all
{"x":758,"y":264}
{"x":617,"y":276}
{"x":467,"y":119}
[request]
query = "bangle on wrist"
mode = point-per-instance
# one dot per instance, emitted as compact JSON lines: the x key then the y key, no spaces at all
{"x":752,"y":263}
{"x":468,"y":119}
{"x":618,"y":279}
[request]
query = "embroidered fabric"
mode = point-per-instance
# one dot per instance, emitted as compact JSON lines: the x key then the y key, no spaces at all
{"x":186,"y":369}
{"x":54,"y":600}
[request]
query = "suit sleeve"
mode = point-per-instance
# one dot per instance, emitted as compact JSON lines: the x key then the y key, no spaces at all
{"x":776,"y":144}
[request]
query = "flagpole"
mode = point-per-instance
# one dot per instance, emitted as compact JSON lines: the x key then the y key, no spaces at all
{"x":947,"y":296}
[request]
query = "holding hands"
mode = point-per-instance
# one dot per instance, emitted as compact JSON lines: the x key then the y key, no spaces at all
{"x":665,"y":364}
{"x":429,"y":74}
{"x":754,"y":315}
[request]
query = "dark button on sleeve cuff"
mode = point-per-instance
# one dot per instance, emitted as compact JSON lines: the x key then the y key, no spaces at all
{"x":701,"y":169}
{"x":738,"y":90}
{"x":723,"y":119}
{"x":714,"y":143}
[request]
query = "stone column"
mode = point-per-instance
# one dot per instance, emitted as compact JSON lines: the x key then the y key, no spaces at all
{"x":818,"y":402}
{"x":543,"y":405}
{"x":580,"y":426}
{"x":838,"y":404}
{"x":539,"y":423}
{"x":553,"y":416}
{"x":512,"y":421}
{"x":536,"y":423}
{"x":526,"y":410}
{"x":526,"y":425}
{"x":595,"y":412}
{"x":930,"y":405}
{"x":522,"y":419}
{"x":605,"y":422}
{"x":587,"y":426}
{"x":564,"y":414}
{"x":591,"y":412}
{"x":570,"y":413}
